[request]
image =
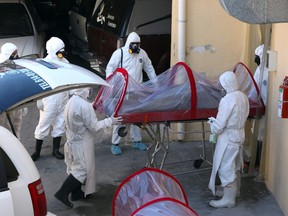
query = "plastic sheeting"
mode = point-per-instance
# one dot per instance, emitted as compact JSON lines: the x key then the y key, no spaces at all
{"x":150,"y":190}
{"x":165,"y":207}
{"x":178,"y":94}
{"x":257,"y":11}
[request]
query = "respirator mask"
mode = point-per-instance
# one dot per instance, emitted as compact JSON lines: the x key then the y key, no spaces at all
{"x":60,"y":54}
{"x":257,"y":60}
{"x":14,"y":55}
{"x":222,"y":90}
{"x":134,"y":47}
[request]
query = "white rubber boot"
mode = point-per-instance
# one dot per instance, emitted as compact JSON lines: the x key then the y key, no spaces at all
{"x":229,"y":198}
{"x":220,"y":190}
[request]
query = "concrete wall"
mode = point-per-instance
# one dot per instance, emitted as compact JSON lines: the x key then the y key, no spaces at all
{"x":276,"y":172}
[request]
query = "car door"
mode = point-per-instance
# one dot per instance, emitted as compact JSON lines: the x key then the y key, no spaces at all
{"x":6,"y":204}
{"x":26,"y":81}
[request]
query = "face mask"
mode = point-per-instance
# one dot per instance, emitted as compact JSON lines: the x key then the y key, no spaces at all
{"x":60,"y":54}
{"x":134,"y":47}
{"x":223,"y":92}
{"x":257,"y":60}
{"x":14,"y":56}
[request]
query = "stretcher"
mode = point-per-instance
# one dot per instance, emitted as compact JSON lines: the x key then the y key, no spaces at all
{"x":178,"y":95}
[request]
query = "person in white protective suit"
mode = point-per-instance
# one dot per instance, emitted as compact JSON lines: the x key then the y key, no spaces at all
{"x":9,"y":51}
{"x":262,"y":82}
{"x":228,"y":126}
{"x":82,"y":126}
{"x":51,"y":108}
{"x":134,"y":60}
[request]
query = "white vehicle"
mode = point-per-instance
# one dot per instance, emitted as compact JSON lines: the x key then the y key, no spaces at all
{"x":23,"y":81}
{"x":20,"y":24}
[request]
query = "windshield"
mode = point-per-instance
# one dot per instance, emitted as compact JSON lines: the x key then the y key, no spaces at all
{"x":14,"y":21}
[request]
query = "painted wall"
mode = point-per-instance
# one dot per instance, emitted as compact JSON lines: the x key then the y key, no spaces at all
{"x":215,"y":40}
{"x":276,"y":176}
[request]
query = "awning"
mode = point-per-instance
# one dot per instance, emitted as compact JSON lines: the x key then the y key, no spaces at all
{"x":257,"y":11}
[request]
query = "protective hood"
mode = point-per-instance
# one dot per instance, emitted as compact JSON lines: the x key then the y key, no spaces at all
{"x":259,"y":51}
{"x":82,"y":92}
{"x":229,"y":82}
{"x":53,"y":45}
{"x":6,"y":50}
{"x":257,"y":11}
{"x":132,"y":37}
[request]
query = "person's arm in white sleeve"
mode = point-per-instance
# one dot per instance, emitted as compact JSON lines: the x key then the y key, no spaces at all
{"x":114,"y":62}
{"x":92,"y":123}
{"x":148,"y":67}
{"x":224,"y":110}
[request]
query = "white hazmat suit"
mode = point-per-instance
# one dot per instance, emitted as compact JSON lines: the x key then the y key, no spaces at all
{"x":229,"y":125}
{"x":51,"y":108}
{"x":82,"y":125}
{"x":134,"y":64}
{"x":9,"y":52}
{"x":262,"y":82}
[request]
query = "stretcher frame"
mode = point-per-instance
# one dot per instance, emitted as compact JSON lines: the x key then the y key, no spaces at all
{"x":159,"y":134}
{"x":150,"y":121}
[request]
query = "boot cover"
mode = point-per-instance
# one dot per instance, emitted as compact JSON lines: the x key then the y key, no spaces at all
{"x":116,"y":150}
{"x":38,"y":147}
{"x":69,"y":185}
{"x":139,"y":145}
{"x":77,"y":194}
{"x":56,"y":146}
{"x":229,"y":198}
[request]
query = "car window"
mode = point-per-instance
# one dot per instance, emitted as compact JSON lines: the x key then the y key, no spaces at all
{"x":34,"y":14}
{"x":3,"y":179}
{"x":14,"y":21}
{"x":10,"y":170}
{"x":112,"y":15}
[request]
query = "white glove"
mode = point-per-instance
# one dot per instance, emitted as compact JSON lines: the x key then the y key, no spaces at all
{"x":116,"y":120}
{"x":24,"y":111}
{"x":211,"y":120}
{"x":40,"y":105}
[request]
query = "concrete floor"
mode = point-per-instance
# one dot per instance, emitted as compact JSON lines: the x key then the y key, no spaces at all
{"x":255,"y":199}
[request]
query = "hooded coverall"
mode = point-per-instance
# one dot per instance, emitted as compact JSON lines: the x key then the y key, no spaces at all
{"x":264,"y":87}
{"x":82,"y":124}
{"x":229,"y":125}
{"x":133,"y":64}
{"x":52,"y":107}
{"x":16,"y":116}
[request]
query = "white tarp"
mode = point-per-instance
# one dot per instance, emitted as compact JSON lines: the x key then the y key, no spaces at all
{"x":257,"y":11}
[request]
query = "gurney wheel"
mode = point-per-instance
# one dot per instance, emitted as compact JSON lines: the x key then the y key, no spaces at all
{"x":197,"y":163}
{"x":122,"y":131}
